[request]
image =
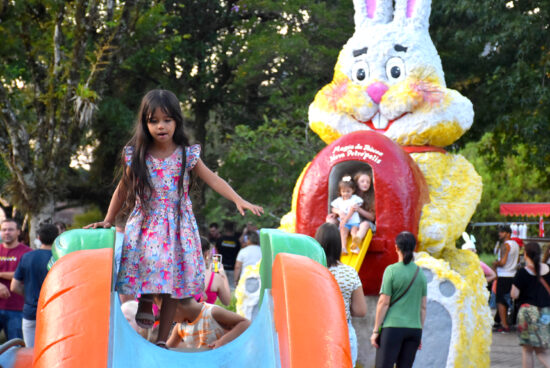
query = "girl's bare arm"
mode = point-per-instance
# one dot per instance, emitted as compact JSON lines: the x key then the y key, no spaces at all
{"x":366,"y":214}
{"x":224,"y":189}
{"x":358,"y":307}
{"x":234,"y":323}
{"x":119,"y":196}
{"x":224,"y":291}
{"x":381,"y":310}
{"x":173,"y":340}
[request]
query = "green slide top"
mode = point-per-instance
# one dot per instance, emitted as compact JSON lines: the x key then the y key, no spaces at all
{"x":80,"y":239}
{"x":273,"y":242}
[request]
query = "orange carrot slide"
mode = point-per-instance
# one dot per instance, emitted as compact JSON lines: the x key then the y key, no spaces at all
{"x":309,"y":314}
{"x":76,"y":298}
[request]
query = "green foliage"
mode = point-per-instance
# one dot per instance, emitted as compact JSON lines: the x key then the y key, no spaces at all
{"x":231,"y":64}
{"x":487,"y":258}
{"x":246,"y":72}
{"x":232,"y":304}
{"x":498,"y":55}
{"x":55,"y":58}
{"x":515,"y":182}
{"x":93,"y":214}
{"x":262,"y":164}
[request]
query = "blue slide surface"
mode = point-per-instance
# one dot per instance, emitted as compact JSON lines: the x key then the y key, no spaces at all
{"x":256,"y":347}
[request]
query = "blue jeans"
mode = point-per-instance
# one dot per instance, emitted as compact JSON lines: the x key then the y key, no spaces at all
{"x":10,"y":322}
{"x":29,"y":328}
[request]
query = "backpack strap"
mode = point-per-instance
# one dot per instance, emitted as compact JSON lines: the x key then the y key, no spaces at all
{"x":408,"y":287}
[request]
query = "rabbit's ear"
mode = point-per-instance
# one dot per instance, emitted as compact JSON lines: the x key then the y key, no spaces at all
{"x":465,"y":237}
{"x":415,"y":12}
{"x":369,"y":12}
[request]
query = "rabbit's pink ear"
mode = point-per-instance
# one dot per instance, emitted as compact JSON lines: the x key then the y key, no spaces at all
{"x":372,"y":11}
{"x":415,"y":12}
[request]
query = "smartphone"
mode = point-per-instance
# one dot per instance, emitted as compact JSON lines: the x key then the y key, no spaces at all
{"x":216,"y":262}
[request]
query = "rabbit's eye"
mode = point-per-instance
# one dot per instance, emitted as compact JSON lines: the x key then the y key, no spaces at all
{"x":395,"y":69}
{"x":360,"y":72}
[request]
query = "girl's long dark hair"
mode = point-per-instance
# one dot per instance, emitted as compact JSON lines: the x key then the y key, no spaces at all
{"x":137,"y":180}
{"x":328,"y":236}
{"x":532,"y":250}
{"x":368,"y":196}
{"x":406,"y":242}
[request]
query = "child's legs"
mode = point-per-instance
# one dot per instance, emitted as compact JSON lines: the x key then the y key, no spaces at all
{"x":527,"y":356}
{"x":543,"y":355}
{"x":364,"y":226}
{"x":354,"y":231}
{"x":167,"y":312}
{"x":344,"y":232}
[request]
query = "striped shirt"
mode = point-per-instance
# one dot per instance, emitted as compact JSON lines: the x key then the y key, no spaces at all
{"x":202,"y":332}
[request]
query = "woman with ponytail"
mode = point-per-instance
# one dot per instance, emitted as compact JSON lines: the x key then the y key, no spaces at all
{"x":401,"y":308}
{"x":531,"y":288}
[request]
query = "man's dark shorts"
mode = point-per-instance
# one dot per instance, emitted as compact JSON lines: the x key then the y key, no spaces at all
{"x":504,"y":285}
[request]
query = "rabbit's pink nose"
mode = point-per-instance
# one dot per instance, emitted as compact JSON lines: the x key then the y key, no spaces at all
{"x":376,"y":91}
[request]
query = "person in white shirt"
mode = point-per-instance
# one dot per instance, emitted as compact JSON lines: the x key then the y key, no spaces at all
{"x":249,"y":255}
{"x":346,"y":207}
{"x":506,"y":267}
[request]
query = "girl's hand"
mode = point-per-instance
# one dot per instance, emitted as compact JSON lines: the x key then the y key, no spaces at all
{"x":243,"y":205}
{"x":332,"y":218}
{"x":373,"y":338}
{"x":216,"y":344}
{"x":102,"y":224}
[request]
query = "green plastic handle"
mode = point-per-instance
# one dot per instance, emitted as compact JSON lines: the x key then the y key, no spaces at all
{"x":273,"y":242}
{"x":80,"y":239}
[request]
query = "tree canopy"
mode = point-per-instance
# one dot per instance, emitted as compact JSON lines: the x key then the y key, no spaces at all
{"x":73,"y":74}
{"x":498,"y":55}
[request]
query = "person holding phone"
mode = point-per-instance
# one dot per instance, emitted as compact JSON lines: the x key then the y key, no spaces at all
{"x":217,"y":285}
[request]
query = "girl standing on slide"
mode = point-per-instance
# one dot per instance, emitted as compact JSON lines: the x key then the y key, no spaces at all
{"x":161,"y":252}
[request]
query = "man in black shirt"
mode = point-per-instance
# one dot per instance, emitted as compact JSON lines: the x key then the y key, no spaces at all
{"x":228,"y":246}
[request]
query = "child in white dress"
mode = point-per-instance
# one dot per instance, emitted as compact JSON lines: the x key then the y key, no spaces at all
{"x":346,"y":207}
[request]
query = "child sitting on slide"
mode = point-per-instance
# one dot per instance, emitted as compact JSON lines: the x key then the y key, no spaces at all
{"x":345,"y":207}
{"x":203,"y":326}
{"x":365,"y":190}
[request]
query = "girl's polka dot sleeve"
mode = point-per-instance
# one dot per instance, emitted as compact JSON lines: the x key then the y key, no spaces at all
{"x":193,"y":154}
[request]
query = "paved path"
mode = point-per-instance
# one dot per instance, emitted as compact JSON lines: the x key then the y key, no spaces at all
{"x":506,"y":352}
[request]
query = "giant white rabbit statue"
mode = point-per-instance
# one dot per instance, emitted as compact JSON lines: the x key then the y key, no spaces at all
{"x":389,"y":79}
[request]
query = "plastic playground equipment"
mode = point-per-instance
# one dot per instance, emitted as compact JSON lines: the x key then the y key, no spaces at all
{"x":80,"y":323}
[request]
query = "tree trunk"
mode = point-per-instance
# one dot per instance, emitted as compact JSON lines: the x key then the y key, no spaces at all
{"x":44,"y":215}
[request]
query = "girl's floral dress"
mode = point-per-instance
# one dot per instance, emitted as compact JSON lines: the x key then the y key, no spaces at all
{"x":161,"y":253}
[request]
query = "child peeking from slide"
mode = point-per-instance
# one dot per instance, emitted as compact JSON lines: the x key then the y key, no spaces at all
{"x":203,"y":326}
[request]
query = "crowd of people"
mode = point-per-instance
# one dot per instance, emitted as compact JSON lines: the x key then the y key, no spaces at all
{"x":22,"y":272}
{"x":522,"y":296}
